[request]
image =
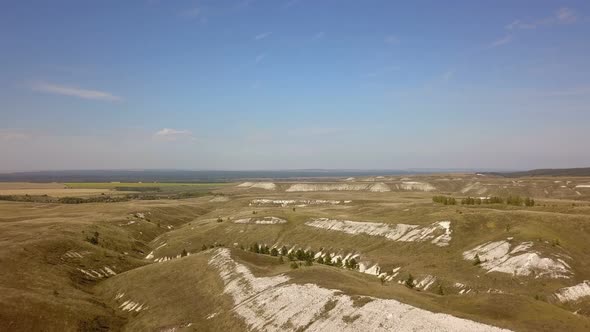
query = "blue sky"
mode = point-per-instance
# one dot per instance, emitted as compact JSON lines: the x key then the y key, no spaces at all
{"x":294,"y":84}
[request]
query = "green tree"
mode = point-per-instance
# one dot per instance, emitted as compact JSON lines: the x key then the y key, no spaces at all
{"x":353,"y":263}
{"x":410,"y":281}
{"x":274,"y":252}
{"x":284,"y":251}
{"x":476,"y":260}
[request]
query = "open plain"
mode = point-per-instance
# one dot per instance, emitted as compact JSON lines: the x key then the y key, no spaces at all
{"x":253,"y":256}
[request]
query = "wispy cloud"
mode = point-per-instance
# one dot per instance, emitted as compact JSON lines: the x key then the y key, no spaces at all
{"x":290,"y":3}
{"x":448,"y":75}
{"x":566,"y":15}
{"x":260,"y":57}
{"x":262,"y":35}
{"x":499,"y":42}
{"x":391,"y":39}
{"x":169,"y":134}
{"x":383,"y":71}
{"x":316,"y":131}
{"x":563,"y":15}
{"x":572,"y":92}
{"x":74,"y":92}
{"x":518,"y":24}
{"x":318,"y":35}
{"x":191,"y":13}
{"x":14,"y":135}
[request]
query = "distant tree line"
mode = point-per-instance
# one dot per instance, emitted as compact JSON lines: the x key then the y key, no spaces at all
{"x":444,"y":200}
{"x":510,"y":200}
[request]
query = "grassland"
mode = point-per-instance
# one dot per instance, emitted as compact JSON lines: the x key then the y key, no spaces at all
{"x":43,"y":287}
{"x":114,"y":185}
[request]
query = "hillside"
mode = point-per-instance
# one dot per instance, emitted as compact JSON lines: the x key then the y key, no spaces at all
{"x":372,"y":252}
{"x":583,"y":171}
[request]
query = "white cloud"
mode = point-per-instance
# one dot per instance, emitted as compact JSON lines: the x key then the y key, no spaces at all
{"x":391,"y":39}
{"x":563,"y":15}
{"x":499,"y":42}
{"x":566,"y":15}
{"x":262,"y":35}
{"x":74,"y":92}
{"x":518,"y":24}
{"x":169,"y":134}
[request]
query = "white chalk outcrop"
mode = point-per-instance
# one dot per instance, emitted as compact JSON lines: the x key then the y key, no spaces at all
{"x":258,"y":185}
{"x":574,"y":293}
{"x":416,"y":186}
{"x":100,"y":273}
{"x":438,"y":233}
{"x":295,"y":202}
{"x":272,"y":304}
{"x":261,"y":221}
{"x":372,"y":187}
{"x":502,"y":256}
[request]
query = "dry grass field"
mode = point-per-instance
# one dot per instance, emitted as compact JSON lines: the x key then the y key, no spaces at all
{"x":187,"y":264}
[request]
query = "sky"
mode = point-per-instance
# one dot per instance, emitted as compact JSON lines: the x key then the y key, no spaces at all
{"x":287,"y":84}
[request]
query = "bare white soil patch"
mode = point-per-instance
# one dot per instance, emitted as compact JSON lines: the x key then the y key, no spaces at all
{"x":219,"y":199}
{"x":476,"y":187}
{"x":416,"y":186}
{"x":259,"y":185}
{"x":261,"y":221}
{"x":502,"y":256}
{"x":583,"y":186}
{"x":438,"y":233}
{"x":295,"y":202}
{"x":103,"y":272}
{"x":574,"y":293}
{"x":270,"y":304}
{"x":129,"y":305}
{"x":372,"y":187}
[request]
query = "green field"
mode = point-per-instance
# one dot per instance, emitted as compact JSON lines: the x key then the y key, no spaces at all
{"x":113,"y":185}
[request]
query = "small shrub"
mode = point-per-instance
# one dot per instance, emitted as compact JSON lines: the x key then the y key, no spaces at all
{"x":294,"y":265}
{"x":184,"y":253}
{"x":93,"y":239}
{"x":476,"y":261}
{"x":410,"y":281}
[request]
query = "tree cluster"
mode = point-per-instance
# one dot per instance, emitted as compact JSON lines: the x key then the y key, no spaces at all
{"x":300,"y":255}
{"x":444,"y":200}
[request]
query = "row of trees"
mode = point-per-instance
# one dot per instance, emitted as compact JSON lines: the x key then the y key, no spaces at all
{"x":479,"y":201}
{"x":444,"y":200}
{"x":510,"y":200}
{"x":307,"y":256}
